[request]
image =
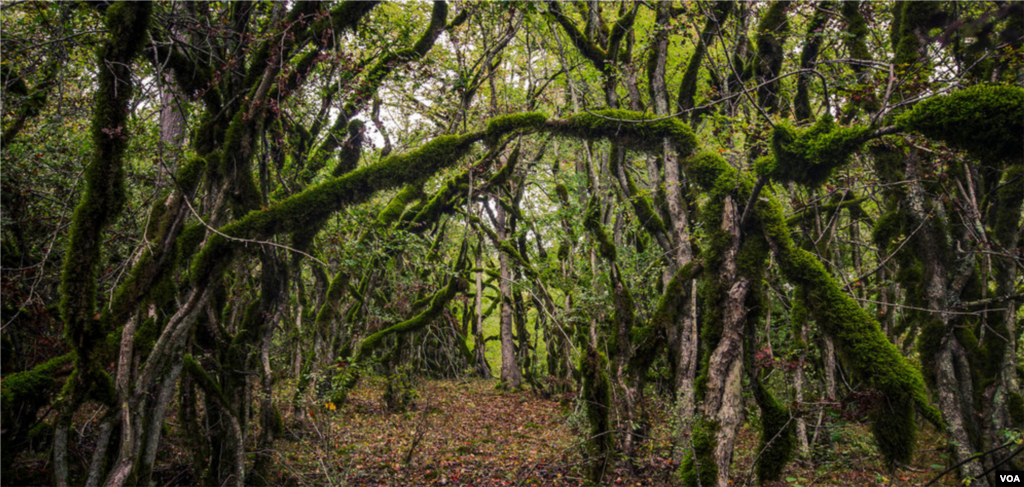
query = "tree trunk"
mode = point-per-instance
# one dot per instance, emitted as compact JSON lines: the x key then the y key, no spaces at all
{"x":510,"y":376}
{"x":479,"y":341}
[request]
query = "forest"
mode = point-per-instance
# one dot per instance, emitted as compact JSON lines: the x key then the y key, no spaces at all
{"x":628,"y":242}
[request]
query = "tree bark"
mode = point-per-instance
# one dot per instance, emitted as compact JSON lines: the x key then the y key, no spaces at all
{"x":510,"y":375}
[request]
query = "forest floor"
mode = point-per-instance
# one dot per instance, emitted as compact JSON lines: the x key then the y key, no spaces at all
{"x":467,"y":432}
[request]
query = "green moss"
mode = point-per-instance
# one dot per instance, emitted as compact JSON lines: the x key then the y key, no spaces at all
{"x":650,"y":338}
{"x":871,"y":357}
{"x":437,"y":305}
{"x":22,"y":395}
{"x":439,"y":203}
{"x":563,"y":251}
{"x":810,"y":156}
{"x":771,"y":35}
{"x":351,"y":150}
{"x":584,"y":43}
{"x":914,"y":21}
{"x":104,"y":196}
{"x":318,"y":202}
{"x":562,"y":192}
{"x":205,"y":382}
{"x":856,"y":31}
{"x":146,"y":335}
{"x":706,"y":168}
{"x":887,"y":228}
{"x":812,"y":44}
{"x":633,"y":129}
{"x":644,"y":210}
{"x":1010,"y":198}
{"x":778,"y":436}
{"x":688,"y":87}
{"x":189,"y":175}
{"x":861,"y":342}
{"x":596,"y":397}
{"x":592,"y":221}
{"x":699,"y":468}
{"x":499,"y":126}
{"x":986,"y":121}
{"x":501,"y":177}
{"x":394,"y":209}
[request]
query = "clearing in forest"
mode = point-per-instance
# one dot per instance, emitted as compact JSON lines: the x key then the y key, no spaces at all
{"x":467,"y":432}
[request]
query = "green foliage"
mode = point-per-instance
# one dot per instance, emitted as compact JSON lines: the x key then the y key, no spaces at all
{"x":986,"y":121}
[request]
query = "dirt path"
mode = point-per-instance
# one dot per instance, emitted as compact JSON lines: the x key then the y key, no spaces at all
{"x":468,"y":433}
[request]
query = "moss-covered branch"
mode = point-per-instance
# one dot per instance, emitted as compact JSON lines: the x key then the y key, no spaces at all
{"x":316,"y":203}
{"x":870,"y":355}
{"x":22,"y":395}
{"x":911,"y":25}
{"x":810,"y":156}
{"x":688,"y":88}
{"x":649,"y":338}
{"x":771,"y":35}
{"x":586,"y":46}
{"x":104,"y":196}
{"x":206,"y":383}
{"x":812,"y":44}
{"x":437,"y":304}
{"x":375,"y":76}
{"x":635,"y":130}
{"x":986,"y":121}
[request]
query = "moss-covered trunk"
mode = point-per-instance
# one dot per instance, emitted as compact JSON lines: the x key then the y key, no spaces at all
{"x":720,"y":389}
